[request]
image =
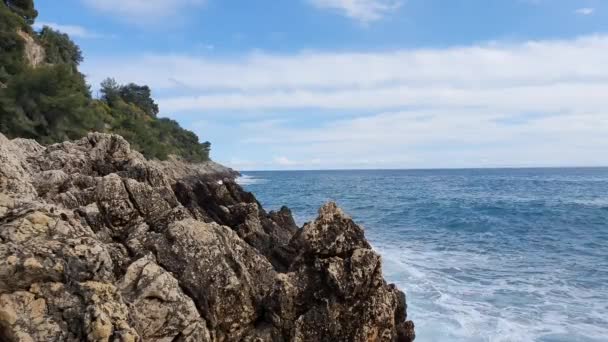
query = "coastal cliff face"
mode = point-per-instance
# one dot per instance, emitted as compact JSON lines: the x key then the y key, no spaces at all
{"x":99,"y":244}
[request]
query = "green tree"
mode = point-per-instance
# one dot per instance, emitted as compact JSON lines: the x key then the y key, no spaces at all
{"x":59,"y":48}
{"x":11,"y":55}
{"x":154,"y":137}
{"x":140,"y":96}
{"x":10,"y":21}
{"x":23,"y":8}
{"x":52,"y":102}
{"x":110,"y":90}
{"x":49,"y":103}
{"x":12,"y":46}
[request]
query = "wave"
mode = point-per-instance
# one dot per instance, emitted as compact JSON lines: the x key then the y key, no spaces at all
{"x":596,"y":202}
{"x":249,"y":180}
{"x":487,"y":305}
{"x":480,"y":258}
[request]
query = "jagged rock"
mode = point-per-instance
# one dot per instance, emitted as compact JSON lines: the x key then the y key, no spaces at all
{"x":227,"y":204}
{"x":106,"y":316}
{"x":331,"y":234}
{"x":40,"y":246}
{"x":99,"y":244}
{"x":15,"y":180}
{"x":159,"y":308}
{"x":284,"y":218}
{"x":229,"y":280}
{"x":334,"y":290}
{"x":115,"y":205}
{"x":176,"y":169}
{"x":89,"y":311}
{"x":23,"y":318}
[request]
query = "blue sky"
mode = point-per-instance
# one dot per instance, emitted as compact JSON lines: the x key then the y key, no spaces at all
{"x":313,"y":84}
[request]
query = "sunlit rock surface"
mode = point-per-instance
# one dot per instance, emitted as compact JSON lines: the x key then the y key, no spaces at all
{"x":99,"y":244}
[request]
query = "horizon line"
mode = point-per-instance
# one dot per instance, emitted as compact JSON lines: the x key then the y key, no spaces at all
{"x":435,"y":169}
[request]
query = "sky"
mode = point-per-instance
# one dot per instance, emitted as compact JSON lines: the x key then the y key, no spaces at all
{"x":362,"y":84}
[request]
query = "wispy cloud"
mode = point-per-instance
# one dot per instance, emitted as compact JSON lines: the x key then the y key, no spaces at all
{"x":528,"y":103}
{"x":71,"y":30}
{"x":284,"y":161}
{"x":287,"y":163}
{"x":538,"y":75}
{"x":585,"y":11}
{"x":442,"y":137}
{"x":147,"y":10}
{"x":365,"y":11}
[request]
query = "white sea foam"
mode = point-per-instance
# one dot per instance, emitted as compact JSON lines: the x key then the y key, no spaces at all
{"x":595,"y":202}
{"x":490,"y":309}
{"x":248,"y":180}
{"x":481,"y":258}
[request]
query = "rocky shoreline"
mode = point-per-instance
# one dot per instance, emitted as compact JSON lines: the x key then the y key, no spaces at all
{"x":99,"y":244}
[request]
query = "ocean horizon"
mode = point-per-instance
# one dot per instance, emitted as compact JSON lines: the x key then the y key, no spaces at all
{"x":433,"y":168}
{"x":485,"y":254}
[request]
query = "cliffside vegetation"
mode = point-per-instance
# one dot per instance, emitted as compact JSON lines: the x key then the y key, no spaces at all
{"x":43,"y":96}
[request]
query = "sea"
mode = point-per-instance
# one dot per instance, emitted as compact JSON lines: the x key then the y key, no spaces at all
{"x":482,"y":254}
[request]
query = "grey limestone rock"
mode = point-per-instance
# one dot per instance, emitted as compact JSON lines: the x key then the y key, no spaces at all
{"x":99,"y":244}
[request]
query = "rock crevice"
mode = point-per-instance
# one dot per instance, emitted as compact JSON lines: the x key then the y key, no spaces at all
{"x":99,"y":244}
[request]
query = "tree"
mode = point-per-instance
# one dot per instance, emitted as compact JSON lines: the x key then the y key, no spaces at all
{"x":59,"y":48}
{"x":206,"y":150}
{"x":24,"y":8}
{"x":12,"y":46}
{"x":50,"y":103}
{"x":110,"y":90}
{"x":11,"y":55}
{"x":140,"y":96}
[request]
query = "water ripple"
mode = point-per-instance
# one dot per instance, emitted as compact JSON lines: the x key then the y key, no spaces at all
{"x":483,"y":255}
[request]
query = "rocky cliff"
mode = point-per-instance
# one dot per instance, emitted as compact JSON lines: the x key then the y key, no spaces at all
{"x":34,"y":53}
{"x":99,"y":244}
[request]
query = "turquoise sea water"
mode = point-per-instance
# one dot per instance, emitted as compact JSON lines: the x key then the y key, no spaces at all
{"x":483,"y":255}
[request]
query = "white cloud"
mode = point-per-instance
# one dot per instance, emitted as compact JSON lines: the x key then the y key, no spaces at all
{"x":71,"y":30}
{"x":529,"y":76}
{"x":545,"y":97}
{"x":146,"y":10}
{"x":532,"y":103}
{"x":435,"y":138}
{"x":526,"y":63}
{"x":284,"y":161}
{"x":362,"y":10}
{"x":585,"y":11}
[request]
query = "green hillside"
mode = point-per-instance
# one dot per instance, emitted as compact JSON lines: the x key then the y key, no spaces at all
{"x":43,"y":96}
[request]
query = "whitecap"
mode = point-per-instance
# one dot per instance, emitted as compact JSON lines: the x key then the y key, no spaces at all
{"x":249,"y":180}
